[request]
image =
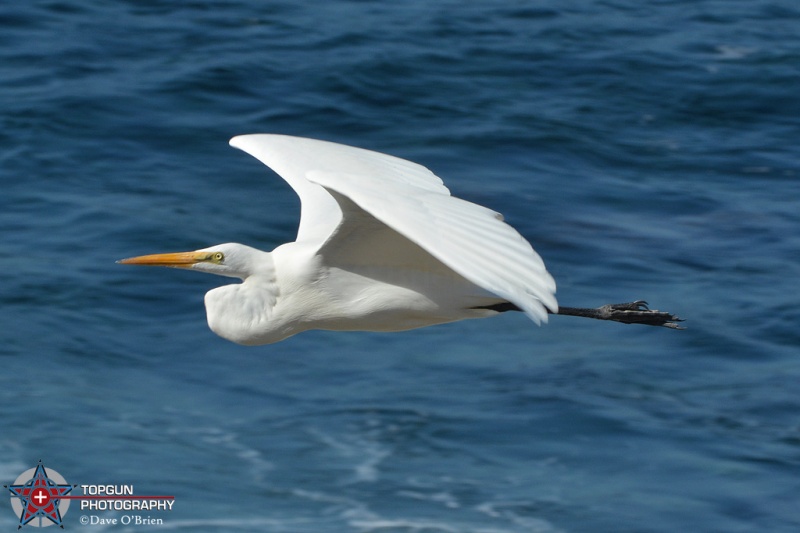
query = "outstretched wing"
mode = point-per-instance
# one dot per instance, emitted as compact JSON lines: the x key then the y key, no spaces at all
{"x":470,"y":239}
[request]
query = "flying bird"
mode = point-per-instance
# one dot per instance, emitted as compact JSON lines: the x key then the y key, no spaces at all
{"x":381,"y":246}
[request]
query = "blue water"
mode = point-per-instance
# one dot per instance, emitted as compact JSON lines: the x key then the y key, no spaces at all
{"x":647,"y":149}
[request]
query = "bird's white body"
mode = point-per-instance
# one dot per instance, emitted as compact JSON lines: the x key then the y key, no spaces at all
{"x":295,"y":290}
{"x":382,"y":246}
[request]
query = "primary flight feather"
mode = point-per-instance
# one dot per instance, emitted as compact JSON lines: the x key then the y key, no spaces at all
{"x":381,"y":246}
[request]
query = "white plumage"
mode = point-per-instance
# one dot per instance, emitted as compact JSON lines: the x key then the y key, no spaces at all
{"x":381,"y":246}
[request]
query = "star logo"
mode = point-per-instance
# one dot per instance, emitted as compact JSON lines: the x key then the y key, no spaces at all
{"x":37,"y":494}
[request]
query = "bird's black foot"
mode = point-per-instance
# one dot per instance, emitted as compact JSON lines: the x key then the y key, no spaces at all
{"x":638,"y":313}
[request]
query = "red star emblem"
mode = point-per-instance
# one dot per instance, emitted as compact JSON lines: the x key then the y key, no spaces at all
{"x":40,"y":497}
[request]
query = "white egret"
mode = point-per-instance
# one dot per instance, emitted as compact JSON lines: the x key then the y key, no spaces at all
{"x":382,"y":246}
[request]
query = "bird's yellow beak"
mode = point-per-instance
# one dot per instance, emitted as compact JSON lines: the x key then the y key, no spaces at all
{"x":175,"y":260}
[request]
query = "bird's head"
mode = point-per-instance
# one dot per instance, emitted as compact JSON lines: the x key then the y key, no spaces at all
{"x":231,"y":259}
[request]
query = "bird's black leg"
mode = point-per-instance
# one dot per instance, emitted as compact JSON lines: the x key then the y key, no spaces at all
{"x":628,"y":313}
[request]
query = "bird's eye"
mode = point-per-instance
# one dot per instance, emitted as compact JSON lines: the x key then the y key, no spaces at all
{"x":218,"y":257}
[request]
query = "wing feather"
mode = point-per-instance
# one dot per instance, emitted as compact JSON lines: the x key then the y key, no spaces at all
{"x":468,"y":238}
